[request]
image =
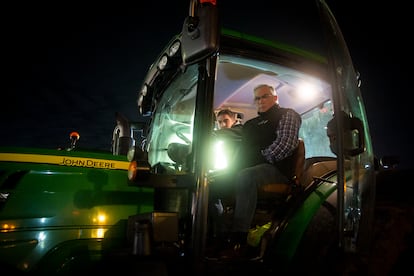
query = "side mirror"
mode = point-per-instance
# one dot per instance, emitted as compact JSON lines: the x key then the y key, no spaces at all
{"x":353,"y":133}
{"x":200,"y":32}
{"x":389,"y":161}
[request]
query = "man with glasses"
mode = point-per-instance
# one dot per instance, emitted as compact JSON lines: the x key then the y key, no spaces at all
{"x":268,"y":142}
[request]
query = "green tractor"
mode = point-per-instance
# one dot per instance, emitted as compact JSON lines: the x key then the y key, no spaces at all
{"x":158,"y":213}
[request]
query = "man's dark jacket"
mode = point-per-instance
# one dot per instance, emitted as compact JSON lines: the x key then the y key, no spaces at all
{"x":258,"y":134}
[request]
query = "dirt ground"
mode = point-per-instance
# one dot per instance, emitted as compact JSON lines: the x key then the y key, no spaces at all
{"x":393,"y":245}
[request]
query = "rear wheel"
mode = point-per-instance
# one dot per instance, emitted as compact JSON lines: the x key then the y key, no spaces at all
{"x":317,"y":251}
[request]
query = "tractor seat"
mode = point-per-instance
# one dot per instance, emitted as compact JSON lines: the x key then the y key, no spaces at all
{"x":285,"y":189}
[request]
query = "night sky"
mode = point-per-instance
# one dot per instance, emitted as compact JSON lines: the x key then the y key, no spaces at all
{"x":72,"y":68}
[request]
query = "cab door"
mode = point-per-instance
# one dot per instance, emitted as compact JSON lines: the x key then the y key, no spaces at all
{"x":350,"y":141}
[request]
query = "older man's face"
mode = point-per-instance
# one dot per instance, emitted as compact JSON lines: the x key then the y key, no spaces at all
{"x":264,"y":99}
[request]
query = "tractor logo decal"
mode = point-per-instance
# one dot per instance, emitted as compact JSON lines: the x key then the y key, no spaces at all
{"x":65,"y":161}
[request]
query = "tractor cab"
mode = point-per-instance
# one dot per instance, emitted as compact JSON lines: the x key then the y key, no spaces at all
{"x":210,"y":66}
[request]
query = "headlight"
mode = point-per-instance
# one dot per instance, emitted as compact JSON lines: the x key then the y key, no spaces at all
{"x":220,"y":159}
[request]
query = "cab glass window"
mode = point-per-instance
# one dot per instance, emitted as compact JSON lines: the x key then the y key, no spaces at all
{"x":172,"y":125}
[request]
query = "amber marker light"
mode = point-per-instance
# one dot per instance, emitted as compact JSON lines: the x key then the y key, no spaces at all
{"x":132,"y":170}
{"x":74,"y":134}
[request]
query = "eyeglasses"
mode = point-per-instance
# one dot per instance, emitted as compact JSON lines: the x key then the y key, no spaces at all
{"x":265,"y":96}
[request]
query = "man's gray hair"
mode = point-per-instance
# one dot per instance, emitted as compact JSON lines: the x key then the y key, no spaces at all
{"x":271,"y":88}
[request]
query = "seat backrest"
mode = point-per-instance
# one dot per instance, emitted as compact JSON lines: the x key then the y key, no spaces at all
{"x":299,"y":162}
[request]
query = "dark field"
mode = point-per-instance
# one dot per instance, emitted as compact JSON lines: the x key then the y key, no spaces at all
{"x":393,"y":246}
